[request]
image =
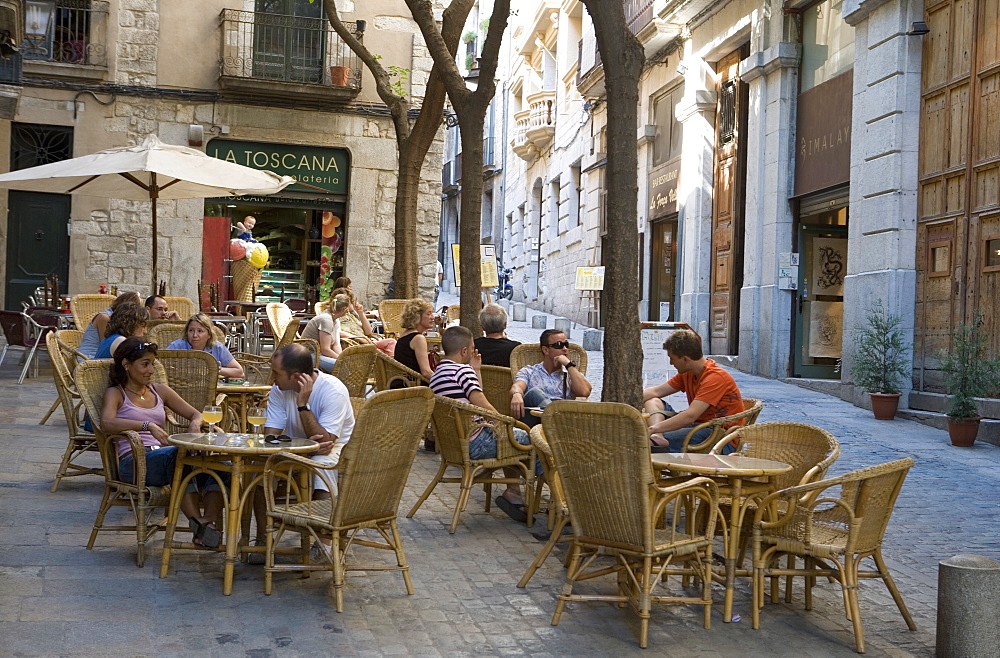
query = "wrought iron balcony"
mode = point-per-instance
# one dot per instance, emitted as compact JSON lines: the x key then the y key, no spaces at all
{"x":65,"y":37}
{"x":638,"y":14}
{"x":291,"y":56}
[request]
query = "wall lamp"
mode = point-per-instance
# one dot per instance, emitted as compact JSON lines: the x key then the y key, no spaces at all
{"x":360,"y":26}
{"x":918,"y":29}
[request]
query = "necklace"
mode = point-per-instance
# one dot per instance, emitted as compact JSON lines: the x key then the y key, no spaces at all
{"x":142,"y":396}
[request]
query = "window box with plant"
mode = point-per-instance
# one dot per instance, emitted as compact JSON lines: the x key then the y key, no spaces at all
{"x":880,"y":359}
{"x":969,"y":374}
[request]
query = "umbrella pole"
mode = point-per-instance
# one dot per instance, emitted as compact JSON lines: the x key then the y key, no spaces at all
{"x":155,"y":250}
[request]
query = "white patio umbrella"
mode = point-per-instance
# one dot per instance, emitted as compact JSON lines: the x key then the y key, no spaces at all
{"x":147,"y":172}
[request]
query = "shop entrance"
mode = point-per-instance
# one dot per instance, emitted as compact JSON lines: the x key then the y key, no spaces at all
{"x":663,"y":270}
{"x":819,"y":306}
{"x":306,"y":244}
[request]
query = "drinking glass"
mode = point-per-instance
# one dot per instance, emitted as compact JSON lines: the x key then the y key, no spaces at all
{"x":257,"y":416}
{"x":212,"y":415}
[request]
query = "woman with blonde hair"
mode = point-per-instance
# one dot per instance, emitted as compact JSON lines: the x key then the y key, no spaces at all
{"x":411,"y":348}
{"x":325,"y":330}
{"x":199,"y":335}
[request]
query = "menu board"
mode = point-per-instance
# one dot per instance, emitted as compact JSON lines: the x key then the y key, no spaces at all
{"x":487,"y":265}
{"x":590,"y":278}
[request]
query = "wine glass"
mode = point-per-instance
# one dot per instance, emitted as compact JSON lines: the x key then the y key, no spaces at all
{"x":257,"y":416}
{"x":212,"y":414}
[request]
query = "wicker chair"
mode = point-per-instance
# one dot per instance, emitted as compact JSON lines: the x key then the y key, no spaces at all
{"x":721,"y":426}
{"x":373,"y":469}
{"x":91,"y":379}
{"x":528,"y":354}
{"x":354,"y":368}
{"x":63,"y":363}
{"x":808,"y":449}
{"x":454,"y":313}
{"x":193,"y":375}
{"x":70,"y":338}
{"x":289,"y":335}
{"x":164,"y":332}
{"x":558,"y":511}
{"x":85,"y":307}
{"x":616,"y":505}
{"x":496,"y":381}
{"x":278,"y":316}
{"x":389,"y":371}
{"x":839,"y":530}
{"x":454,"y":424}
{"x":390,"y":312}
{"x":183,"y":306}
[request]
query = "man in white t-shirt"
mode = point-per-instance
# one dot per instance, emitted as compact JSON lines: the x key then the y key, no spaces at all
{"x":305,"y":402}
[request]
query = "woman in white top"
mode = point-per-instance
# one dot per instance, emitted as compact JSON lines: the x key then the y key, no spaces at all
{"x":325,"y":329}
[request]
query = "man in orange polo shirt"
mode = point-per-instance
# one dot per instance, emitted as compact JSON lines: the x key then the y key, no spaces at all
{"x":711,"y":392}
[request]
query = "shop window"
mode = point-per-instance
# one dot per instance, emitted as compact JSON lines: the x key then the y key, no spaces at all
{"x":992,"y":253}
{"x":827,"y":44}
{"x":940,"y":258}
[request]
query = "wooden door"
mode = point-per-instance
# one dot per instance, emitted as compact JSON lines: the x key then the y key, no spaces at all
{"x":663,"y":270}
{"x":37,"y":243}
{"x":727,"y":205}
{"x":958,"y":231}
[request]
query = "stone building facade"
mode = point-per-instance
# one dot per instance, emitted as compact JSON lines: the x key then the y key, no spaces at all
{"x":271,"y":75}
{"x":778,"y":151}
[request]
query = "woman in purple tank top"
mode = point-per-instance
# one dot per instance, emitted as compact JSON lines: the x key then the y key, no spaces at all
{"x":132,"y":402}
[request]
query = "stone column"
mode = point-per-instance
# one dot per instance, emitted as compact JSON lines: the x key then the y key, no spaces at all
{"x":881,"y":256}
{"x":766,"y":311}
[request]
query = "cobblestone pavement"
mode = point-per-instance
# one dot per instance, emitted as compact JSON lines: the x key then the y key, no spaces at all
{"x":56,"y":598}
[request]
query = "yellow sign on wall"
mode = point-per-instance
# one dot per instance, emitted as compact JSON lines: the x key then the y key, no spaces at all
{"x":487,"y":265}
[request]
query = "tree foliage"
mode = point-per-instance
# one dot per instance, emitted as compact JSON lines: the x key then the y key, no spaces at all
{"x":880,"y":353}
{"x":969,"y":374}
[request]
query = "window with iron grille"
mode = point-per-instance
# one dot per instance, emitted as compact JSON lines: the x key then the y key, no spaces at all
{"x":33,"y":144}
{"x":727,"y":112}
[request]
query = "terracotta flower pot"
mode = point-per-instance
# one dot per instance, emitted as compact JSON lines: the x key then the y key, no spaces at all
{"x":963,"y":431}
{"x":884,"y":405}
{"x":339,"y":75}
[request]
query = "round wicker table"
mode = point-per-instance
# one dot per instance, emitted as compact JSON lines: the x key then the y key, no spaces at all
{"x":732,"y":470}
{"x":227,"y":453}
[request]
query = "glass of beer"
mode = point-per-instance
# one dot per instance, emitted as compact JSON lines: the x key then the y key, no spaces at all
{"x":212,"y":415}
{"x":257,"y":416}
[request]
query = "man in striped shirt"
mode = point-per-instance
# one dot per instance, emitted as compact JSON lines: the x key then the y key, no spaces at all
{"x":457,"y":377}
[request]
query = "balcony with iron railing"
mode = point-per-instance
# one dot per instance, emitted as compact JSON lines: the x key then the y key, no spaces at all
{"x":295,"y":57}
{"x":638,"y":14}
{"x":66,"y":38}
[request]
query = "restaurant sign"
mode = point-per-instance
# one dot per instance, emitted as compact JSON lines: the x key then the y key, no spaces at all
{"x":325,"y":168}
{"x":663,"y":189}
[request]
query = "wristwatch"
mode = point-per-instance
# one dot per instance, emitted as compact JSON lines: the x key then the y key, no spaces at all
{"x":571,"y":365}
{"x":304,"y":407}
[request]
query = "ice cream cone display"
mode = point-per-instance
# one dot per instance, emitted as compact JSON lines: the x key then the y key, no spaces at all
{"x":245,"y":280}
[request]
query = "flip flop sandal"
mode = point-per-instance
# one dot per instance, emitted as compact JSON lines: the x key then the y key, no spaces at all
{"x":206,"y":534}
{"x":517,"y":512}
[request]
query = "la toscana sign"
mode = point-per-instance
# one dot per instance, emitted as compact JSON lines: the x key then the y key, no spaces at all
{"x":325,"y":168}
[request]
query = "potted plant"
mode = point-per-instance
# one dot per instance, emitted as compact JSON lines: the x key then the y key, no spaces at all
{"x":968,"y":375}
{"x":880,"y":359}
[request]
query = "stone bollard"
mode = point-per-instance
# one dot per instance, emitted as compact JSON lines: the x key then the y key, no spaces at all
{"x":593,"y":340}
{"x":968,"y":598}
{"x":563,"y":325}
{"x":520,"y":312}
{"x":539,"y":321}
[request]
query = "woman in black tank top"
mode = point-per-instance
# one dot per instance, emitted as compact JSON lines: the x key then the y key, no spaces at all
{"x":411,"y":348}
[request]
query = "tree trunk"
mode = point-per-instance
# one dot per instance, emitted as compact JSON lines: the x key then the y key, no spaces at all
{"x":623,"y":58}
{"x":406,"y":266}
{"x":471,"y":125}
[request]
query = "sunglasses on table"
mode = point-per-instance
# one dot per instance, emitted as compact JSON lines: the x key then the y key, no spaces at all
{"x":277,"y":438}
{"x":559,"y":344}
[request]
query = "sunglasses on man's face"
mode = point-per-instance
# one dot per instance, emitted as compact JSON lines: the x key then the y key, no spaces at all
{"x":559,"y":345}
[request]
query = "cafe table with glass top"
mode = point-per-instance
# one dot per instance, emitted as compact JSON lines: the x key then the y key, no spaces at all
{"x":742,"y":480}
{"x":243,"y":457}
